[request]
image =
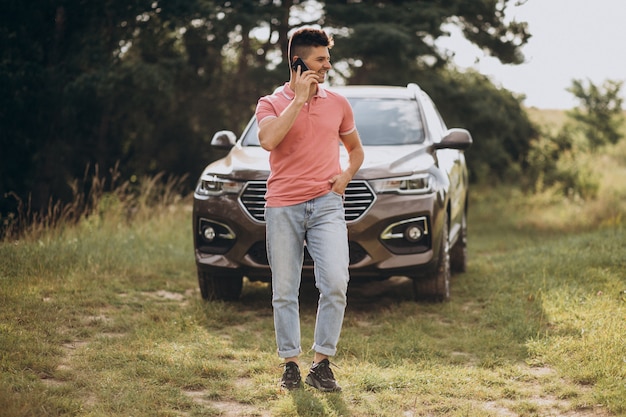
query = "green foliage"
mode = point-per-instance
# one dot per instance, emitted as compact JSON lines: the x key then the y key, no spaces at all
{"x":501,"y":129}
{"x":600,"y":111}
{"x":561,"y":160}
{"x":146,"y":83}
{"x":385,"y":42}
{"x":95,"y":198}
{"x":139,"y":83}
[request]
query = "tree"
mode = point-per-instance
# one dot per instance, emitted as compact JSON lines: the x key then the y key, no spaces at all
{"x":145,"y":83}
{"x":600,"y":111}
{"x":55,"y":54}
{"x":502,"y":130}
{"x":389,"y":42}
{"x":392,"y":42}
{"x":137,"y":82}
{"x":559,"y":161}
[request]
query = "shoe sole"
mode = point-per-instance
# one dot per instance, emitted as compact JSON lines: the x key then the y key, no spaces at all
{"x":310,"y":381}
{"x":291,"y":388}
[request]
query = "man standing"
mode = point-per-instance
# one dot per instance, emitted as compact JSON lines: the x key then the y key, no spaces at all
{"x":302,"y":126}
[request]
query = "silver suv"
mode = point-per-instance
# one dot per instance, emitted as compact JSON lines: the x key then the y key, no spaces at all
{"x":406,"y":208}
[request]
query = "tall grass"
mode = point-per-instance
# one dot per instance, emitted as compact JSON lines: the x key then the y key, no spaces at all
{"x":550,"y":208}
{"x":93,"y":197}
{"x":76,"y":281}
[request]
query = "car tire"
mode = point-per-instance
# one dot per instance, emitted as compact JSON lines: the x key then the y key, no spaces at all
{"x":437,"y":287}
{"x":458,"y":253}
{"x":220,"y":287}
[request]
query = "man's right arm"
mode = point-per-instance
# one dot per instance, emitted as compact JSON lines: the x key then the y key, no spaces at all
{"x":272,"y":130}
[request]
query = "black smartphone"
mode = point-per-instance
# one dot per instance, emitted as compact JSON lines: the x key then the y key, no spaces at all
{"x":299,"y":62}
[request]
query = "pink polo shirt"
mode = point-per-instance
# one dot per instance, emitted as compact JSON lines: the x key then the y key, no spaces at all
{"x":308,"y":156}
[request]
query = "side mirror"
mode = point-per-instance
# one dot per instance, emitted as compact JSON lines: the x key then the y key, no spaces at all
{"x":455,"y":139}
{"x":224,"y":139}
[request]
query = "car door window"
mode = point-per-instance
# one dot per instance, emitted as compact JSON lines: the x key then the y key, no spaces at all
{"x":436,"y":126}
{"x":383,"y":122}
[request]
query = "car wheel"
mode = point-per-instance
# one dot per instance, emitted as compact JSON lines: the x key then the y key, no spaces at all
{"x":220,"y":287}
{"x":437,"y":287}
{"x":458,"y":253}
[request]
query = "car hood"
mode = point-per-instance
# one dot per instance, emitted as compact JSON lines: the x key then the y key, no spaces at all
{"x":252,"y":162}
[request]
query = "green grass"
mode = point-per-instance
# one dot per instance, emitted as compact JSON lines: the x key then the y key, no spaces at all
{"x":104,"y":318}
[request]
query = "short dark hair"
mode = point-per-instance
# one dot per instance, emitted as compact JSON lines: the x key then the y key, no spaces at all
{"x":306,"y":37}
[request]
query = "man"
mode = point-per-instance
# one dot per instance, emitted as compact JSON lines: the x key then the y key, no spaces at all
{"x":301,"y":125}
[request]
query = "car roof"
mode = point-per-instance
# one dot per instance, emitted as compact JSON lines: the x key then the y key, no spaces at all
{"x":377,"y":91}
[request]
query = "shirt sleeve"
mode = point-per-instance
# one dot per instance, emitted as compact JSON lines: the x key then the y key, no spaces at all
{"x":264,"y":109}
{"x":347,"y":124}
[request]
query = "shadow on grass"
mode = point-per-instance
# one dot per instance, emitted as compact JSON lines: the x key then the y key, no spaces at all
{"x":491,"y":316}
{"x":361,"y":294}
{"x":310,"y":403}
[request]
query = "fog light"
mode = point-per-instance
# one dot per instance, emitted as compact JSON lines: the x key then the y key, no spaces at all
{"x":208,"y":233}
{"x":413,"y":233}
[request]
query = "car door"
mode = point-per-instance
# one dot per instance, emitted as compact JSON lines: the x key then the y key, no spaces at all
{"x":451,"y":161}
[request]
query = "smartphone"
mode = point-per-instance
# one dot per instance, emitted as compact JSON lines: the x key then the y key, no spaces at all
{"x":299,"y":62}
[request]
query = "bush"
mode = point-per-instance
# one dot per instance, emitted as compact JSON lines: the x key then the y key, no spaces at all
{"x":559,"y":161}
{"x":600,"y":111}
{"x":501,"y":129}
{"x":94,"y":198}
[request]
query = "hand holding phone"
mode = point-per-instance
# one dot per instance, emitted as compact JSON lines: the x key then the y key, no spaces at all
{"x":299,"y":63}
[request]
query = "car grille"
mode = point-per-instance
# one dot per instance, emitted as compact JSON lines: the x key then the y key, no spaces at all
{"x":359,"y":197}
{"x":253,"y":199}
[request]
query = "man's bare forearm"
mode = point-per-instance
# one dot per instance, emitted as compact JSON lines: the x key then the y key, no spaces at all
{"x":272,"y":131}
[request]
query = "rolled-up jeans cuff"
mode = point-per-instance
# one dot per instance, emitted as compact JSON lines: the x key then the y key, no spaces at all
{"x":289,"y":353}
{"x":323,"y":350}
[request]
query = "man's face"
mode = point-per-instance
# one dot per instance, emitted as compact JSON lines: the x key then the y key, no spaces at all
{"x":318,"y":60}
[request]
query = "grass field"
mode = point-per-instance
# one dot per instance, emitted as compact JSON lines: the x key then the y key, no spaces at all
{"x":552,"y":118}
{"x":105,"y":319}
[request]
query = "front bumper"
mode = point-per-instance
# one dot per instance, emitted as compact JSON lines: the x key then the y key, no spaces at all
{"x":371,"y":257}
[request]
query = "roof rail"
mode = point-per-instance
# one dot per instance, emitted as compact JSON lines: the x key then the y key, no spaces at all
{"x":413,"y":87}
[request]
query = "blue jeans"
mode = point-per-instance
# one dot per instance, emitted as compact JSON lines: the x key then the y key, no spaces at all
{"x":321,"y":223}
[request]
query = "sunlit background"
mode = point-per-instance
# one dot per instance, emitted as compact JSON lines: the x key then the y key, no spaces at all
{"x":571,"y":39}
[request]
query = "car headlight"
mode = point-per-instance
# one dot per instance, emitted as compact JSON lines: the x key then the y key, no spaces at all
{"x":214,"y":185}
{"x":414,"y":184}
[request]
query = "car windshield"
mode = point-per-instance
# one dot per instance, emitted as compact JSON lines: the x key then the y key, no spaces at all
{"x":380,"y":122}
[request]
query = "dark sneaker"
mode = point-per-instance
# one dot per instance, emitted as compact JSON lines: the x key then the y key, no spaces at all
{"x":291,"y":376}
{"x":321,"y":377}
